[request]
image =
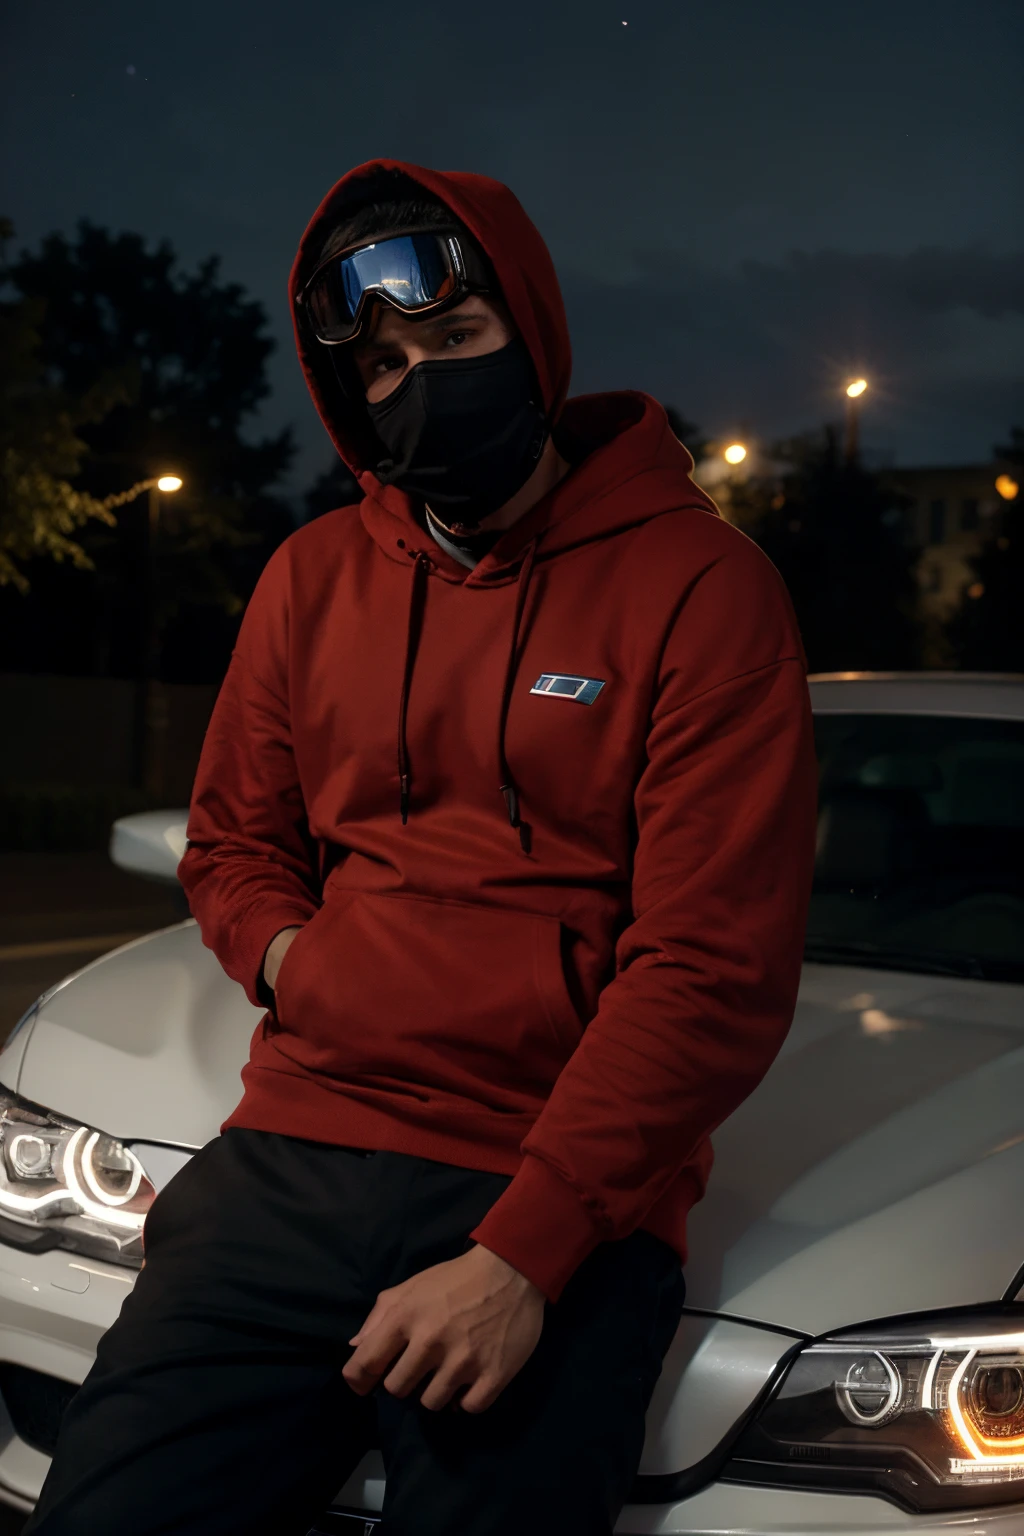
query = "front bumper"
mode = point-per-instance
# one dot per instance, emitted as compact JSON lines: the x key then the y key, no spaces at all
{"x":55,"y":1306}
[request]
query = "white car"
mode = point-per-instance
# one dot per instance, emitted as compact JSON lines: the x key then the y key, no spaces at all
{"x":851,"y":1358}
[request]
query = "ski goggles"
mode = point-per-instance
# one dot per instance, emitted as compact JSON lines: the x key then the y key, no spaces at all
{"x":415,"y":272}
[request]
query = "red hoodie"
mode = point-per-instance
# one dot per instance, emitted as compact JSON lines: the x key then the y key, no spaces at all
{"x":580,"y":1005}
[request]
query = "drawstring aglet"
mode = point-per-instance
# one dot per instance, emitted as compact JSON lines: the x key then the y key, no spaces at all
{"x":511,"y":804}
{"x":404,"y":797}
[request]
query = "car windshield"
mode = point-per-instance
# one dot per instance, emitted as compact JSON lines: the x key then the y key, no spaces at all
{"x":920,"y":860}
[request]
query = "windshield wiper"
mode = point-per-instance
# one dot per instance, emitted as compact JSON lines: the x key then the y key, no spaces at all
{"x":836,"y":952}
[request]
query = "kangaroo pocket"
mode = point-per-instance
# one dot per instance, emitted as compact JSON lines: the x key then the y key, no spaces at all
{"x":429,"y":998}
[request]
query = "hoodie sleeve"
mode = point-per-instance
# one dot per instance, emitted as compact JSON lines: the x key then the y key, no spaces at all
{"x":249,"y":869}
{"x":706,"y":975}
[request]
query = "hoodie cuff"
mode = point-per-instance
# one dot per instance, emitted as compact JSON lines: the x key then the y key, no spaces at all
{"x":257,"y":932}
{"x":541,"y":1227}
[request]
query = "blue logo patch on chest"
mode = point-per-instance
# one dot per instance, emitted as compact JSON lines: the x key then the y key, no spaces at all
{"x":566,"y":685}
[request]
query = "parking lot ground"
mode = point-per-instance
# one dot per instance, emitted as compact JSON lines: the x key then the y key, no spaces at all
{"x":58,"y":911}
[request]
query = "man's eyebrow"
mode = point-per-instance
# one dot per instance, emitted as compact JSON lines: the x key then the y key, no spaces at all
{"x":375,"y":345}
{"x":453,"y":317}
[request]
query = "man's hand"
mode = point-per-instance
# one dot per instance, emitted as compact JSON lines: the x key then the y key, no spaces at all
{"x":473,"y":1322}
{"x":275,"y":954}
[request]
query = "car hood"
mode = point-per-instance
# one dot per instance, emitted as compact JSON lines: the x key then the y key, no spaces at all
{"x":878,"y":1168}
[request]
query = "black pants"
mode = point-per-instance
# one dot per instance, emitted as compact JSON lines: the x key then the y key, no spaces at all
{"x":217,"y":1407}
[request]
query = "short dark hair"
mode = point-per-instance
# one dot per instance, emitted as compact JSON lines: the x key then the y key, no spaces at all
{"x":382,"y":218}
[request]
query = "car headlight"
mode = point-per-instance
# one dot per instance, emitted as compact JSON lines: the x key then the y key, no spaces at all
{"x":928,"y":1411}
{"x":69,"y":1183}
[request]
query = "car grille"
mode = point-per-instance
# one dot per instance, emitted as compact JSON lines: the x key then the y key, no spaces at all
{"x":36,"y":1404}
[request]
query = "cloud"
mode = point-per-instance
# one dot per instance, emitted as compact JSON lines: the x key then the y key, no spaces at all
{"x":767,"y":346}
{"x":930,"y":279}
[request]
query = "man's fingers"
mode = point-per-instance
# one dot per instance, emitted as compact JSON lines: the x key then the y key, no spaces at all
{"x":416,"y":1360}
{"x":452,"y":1376}
{"x":372,"y":1357}
{"x":484,"y":1391}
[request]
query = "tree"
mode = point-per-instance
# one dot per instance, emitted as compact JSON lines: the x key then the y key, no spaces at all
{"x":41,"y":449}
{"x":986,"y":632}
{"x":197,"y":345}
{"x":190,"y":351}
{"x":834,"y":532}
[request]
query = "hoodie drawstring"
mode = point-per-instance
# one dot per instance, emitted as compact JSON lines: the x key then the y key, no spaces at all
{"x":508,"y":788}
{"x":416,"y":596}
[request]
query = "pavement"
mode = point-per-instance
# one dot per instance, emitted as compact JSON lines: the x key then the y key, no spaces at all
{"x":58,"y":911}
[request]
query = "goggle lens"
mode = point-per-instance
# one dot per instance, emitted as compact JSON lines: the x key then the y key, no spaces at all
{"x":411,"y":271}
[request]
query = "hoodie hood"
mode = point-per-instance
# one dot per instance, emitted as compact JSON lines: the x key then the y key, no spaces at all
{"x":499,"y":224}
{"x":612,"y":438}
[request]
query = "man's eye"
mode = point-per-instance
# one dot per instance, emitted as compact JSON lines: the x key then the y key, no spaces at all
{"x":456,"y":338}
{"x":387,"y":364}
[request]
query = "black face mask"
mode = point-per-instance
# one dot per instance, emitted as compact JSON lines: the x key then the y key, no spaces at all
{"x":463,"y":433}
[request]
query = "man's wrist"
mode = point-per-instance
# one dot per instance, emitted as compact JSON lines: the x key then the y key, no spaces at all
{"x":502,"y":1268}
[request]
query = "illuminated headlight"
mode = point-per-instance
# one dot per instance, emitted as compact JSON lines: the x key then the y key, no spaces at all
{"x":86,"y":1190}
{"x":928,"y":1411}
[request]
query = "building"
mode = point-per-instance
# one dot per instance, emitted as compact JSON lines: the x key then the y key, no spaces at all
{"x":952,"y":510}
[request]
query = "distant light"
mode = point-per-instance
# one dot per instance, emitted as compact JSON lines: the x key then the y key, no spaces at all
{"x":857,"y":387}
{"x":1007,"y":487}
{"x":735,"y":453}
{"x":976,"y":589}
{"x":169,"y":483}
{"x":875,"y":1021}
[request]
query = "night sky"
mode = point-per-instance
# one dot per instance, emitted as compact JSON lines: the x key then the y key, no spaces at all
{"x":746,"y":202}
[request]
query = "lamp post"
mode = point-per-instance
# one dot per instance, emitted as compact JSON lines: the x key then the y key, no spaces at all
{"x":735,"y":453}
{"x":854,"y":390}
{"x":150,"y":712}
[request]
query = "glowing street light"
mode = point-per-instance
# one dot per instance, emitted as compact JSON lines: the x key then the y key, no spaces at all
{"x":735,"y":453}
{"x":1007,"y":487}
{"x":856,"y":388}
{"x":169,"y":483}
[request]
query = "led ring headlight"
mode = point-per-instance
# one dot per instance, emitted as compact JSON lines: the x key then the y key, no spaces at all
{"x":88,"y":1191}
{"x":927,"y":1410}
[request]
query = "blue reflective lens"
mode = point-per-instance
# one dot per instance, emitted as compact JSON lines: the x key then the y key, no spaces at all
{"x":412,"y":270}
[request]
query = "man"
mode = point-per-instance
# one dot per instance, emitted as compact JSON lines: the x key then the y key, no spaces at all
{"x":506,"y":817}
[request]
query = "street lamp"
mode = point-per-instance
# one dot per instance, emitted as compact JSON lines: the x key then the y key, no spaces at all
{"x":735,"y":453}
{"x":1007,"y":487}
{"x":854,"y":390}
{"x":151,"y":720}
